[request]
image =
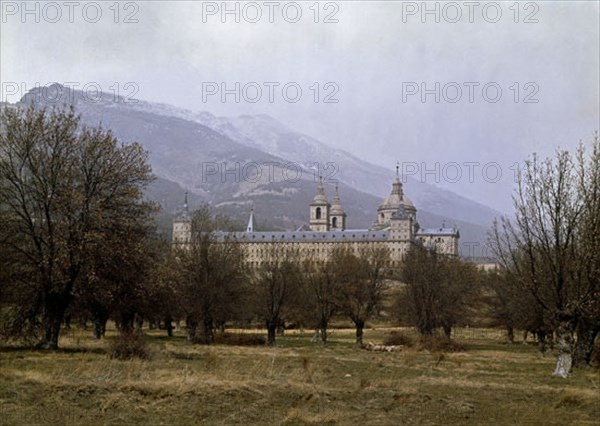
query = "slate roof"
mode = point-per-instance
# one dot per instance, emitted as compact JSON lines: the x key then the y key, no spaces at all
{"x":306,"y":236}
{"x":437,"y":231}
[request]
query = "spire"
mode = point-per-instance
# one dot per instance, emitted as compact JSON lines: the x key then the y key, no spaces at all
{"x":320,"y":198}
{"x":250,"y":227}
{"x":393,"y":201}
{"x":336,"y":197}
{"x":336,"y":207}
{"x":337,"y":214}
{"x":185,"y":214}
{"x":397,"y":185}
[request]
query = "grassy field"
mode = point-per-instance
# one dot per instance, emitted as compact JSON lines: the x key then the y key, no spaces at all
{"x":297,"y":382}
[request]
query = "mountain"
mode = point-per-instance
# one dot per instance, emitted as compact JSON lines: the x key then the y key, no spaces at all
{"x":266,"y":133}
{"x":207,"y":156}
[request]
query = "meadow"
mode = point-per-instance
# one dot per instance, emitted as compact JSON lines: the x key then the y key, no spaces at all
{"x":295,"y":383}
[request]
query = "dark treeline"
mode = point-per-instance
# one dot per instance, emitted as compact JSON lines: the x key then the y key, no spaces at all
{"x":78,"y":243}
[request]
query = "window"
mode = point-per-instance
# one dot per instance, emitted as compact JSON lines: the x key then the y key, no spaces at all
{"x":334,"y":222}
{"x":318,"y":213}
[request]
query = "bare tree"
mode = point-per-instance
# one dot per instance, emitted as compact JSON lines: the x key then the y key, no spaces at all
{"x":438,"y":290}
{"x":551,"y":247}
{"x":63,"y":189}
{"x":361,"y":283}
{"x":511,"y":306}
{"x":166,"y":299}
{"x":275,"y":284}
{"x":588,"y":254}
{"x":214,"y":277}
{"x":320,"y":295}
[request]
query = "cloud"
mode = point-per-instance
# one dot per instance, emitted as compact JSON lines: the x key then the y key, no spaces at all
{"x":368,"y":54}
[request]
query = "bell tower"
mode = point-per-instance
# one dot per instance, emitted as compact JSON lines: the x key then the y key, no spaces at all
{"x":319,"y":210}
{"x":337,"y":216}
{"x":182,"y":226}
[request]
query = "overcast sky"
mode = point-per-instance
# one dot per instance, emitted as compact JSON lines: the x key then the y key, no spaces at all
{"x":374,"y":55}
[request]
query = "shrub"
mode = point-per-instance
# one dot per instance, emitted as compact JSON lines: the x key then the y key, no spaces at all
{"x":398,"y":338}
{"x":439,"y":344}
{"x":240,"y":339}
{"x":128,"y":346}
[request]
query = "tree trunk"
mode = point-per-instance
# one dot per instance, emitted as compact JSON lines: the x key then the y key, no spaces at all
{"x":447,"y":331}
{"x":139,"y":323}
{"x":510,"y":334}
{"x":55,"y":307}
{"x":425,"y":330}
{"x":586,"y":334}
{"x":52,"y":333}
{"x":83,"y":323}
{"x":550,"y":339}
{"x":207,"y":331}
{"x":360,"y":325}
{"x":541,"y":336}
{"x":169,"y":325}
{"x":323,"y":331}
{"x":564,"y":362}
{"x":126,"y":322}
{"x":68,"y":321}
{"x":99,"y":327}
{"x":191,"y":325}
{"x":100,"y":317}
{"x":271,"y":331}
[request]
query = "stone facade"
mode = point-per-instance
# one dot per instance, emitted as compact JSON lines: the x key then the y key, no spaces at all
{"x":395,"y":228}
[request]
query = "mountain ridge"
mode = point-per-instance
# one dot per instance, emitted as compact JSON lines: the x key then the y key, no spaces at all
{"x":181,"y":146}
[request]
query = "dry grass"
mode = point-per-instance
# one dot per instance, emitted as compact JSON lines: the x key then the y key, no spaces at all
{"x":240,"y":339}
{"x":294,"y":383}
{"x":129,"y":346}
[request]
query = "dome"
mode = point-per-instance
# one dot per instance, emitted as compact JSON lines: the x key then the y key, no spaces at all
{"x":396,"y":205}
{"x":394,"y":200}
{"x":336,"y":207}
{"x":320,"y":199}
{"x":336,"y":210}
{"x":408,"y":204}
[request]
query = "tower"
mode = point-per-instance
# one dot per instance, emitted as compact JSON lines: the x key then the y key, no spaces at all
{"x":337,"y":216}
{"x":391,"y":204}
{"x":182,"y":225}
{"x":319,"y":210}
{"x":396,"y":200}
